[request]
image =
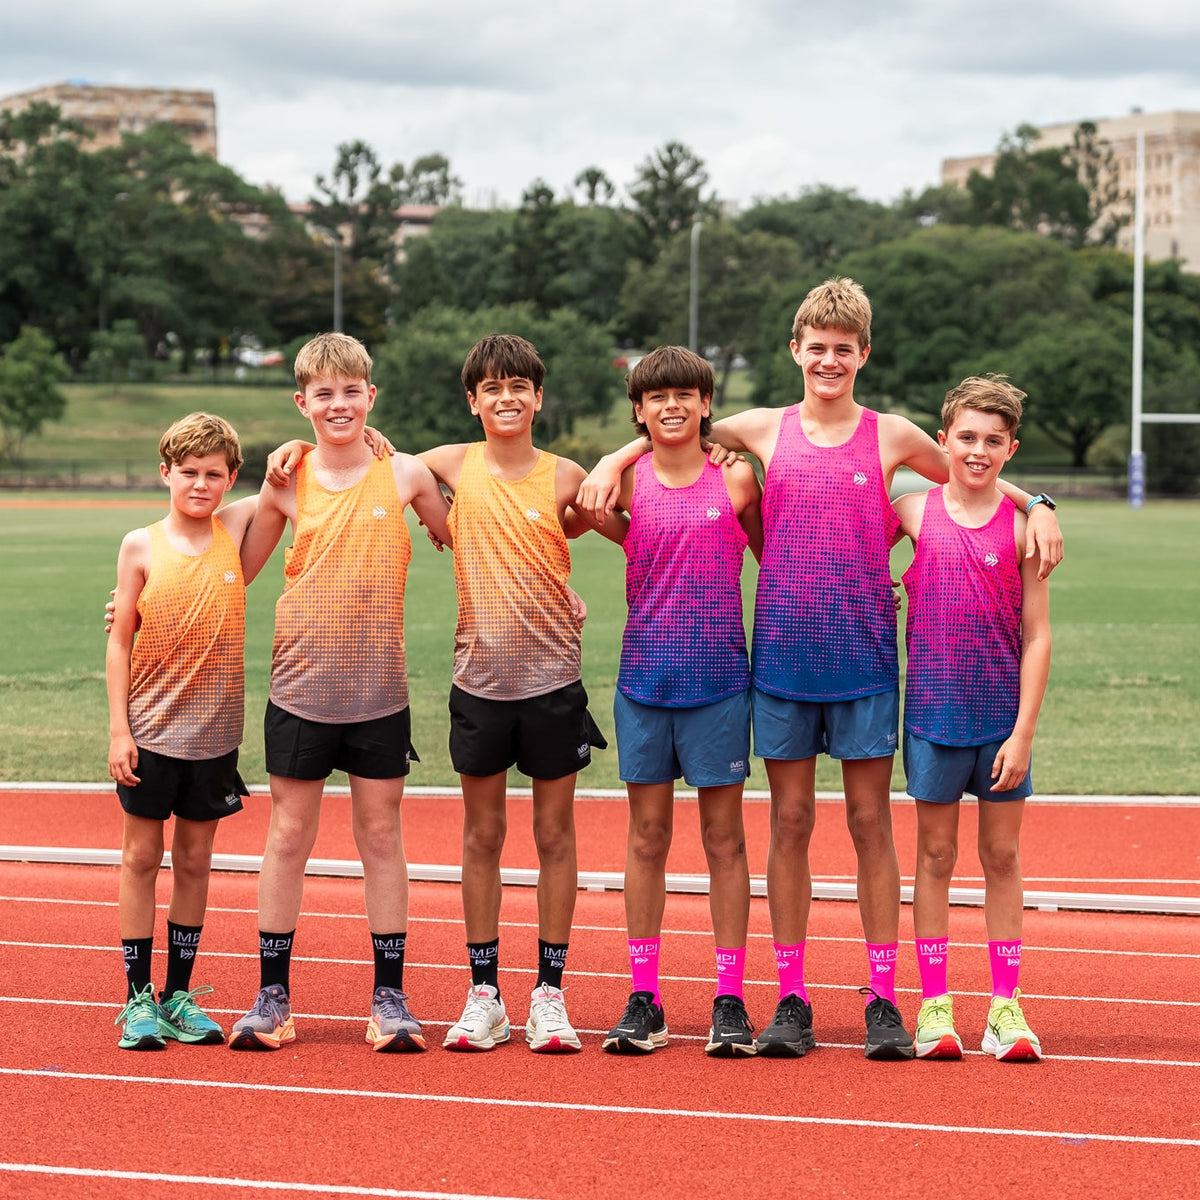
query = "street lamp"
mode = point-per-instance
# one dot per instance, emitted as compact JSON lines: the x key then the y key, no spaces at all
{"x":335,"y":240}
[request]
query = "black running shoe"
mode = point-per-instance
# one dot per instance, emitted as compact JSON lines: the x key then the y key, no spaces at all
{"x":731,"y":1033}
{"x":641,"y":1029}
{"x":790,"y":1033}
{"x":887,"y":1039}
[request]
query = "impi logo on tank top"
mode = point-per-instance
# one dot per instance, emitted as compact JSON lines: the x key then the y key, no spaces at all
{"x":379,"y":512}
{"x":990,"y":560}
{"x":532,"y":514}
{"x":860,"y":478}
{"x":230,"y":577}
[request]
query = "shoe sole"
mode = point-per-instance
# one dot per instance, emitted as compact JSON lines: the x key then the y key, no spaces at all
{"x":1022,"y":1050}
{"x":730,"y":1049}
{"x":148,"y":1041}
{"x":463,"y":1042}
{"x":211,"y":1037}
{"x":251,"y":1039}
{"x":947,"y":1046}
{"x":553,"y":1044}
{"x":624,"y":1045}
{"x":889,"y":1052}
{"x":782,"y":1048}
{"x":402,"y":1042}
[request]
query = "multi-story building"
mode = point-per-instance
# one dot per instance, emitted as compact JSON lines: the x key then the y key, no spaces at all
{"x":1172,"y":161}
{"x":108,"y":112}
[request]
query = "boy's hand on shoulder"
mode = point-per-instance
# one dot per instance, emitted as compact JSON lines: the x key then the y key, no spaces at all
{"x":122,"y":760}
{"x":720,"y":456}
{"x":380,"y":446}
{"x":282,"y":462}
{"x":598,"y":492}
{"x":109,"y":609}
{"x":1043,"y":537}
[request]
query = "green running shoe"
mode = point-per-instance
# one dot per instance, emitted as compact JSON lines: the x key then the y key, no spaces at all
{"x":936,"y":1035}
{"x":1008,"y":1035}
{"x":182,"y":1019}
{"x":140,"y":1017}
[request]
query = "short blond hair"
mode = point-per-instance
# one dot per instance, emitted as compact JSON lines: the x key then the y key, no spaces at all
{"x":200,"y":434}
{"x":988,"y":394}
{"x":332,"y":356}
{"x":835,"y":304}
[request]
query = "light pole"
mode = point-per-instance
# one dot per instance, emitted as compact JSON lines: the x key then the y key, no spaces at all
{"x":335,"y":240}
{"x":694,"y":288}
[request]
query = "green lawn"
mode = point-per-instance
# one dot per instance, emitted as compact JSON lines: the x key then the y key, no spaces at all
{"x":1121,"y":714}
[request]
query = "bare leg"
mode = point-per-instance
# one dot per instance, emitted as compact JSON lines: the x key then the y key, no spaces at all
{"x":485,"y":824}
{"x":724,"y":838}
{"x":380,"y":841}
{"x":937,"y":852}
{"x":869,"y":817}
{"x":191,"y":869}
{"x":793,"y":813}
{"x":141,"y":857}
{"x":651,"y":824}
{"x":558,"y":874}
{"x":1000,"y":855}
{"x":295,"y":817}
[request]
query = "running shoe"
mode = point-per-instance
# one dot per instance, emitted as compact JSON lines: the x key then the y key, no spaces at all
{"x":887,"y":1039}
{"x":140,"y":1017}
{"x":641,"y":1029}
{"x":1007,"y":1035}
{"x":790,"y":1033}
{"x":268,"y":1024}
{"x":483,"y":1024}
{"x":936,"y":1035}
{"x":548,"y":1030}
{"x":392,"y":1028}
{"x":183,"y":1020}
{"x":731,"y":1033}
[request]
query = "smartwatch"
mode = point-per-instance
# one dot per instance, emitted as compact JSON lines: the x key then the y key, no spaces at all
{"x":1040,"y":498}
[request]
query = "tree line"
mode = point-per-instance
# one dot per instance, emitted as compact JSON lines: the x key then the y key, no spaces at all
{"x":146,"y":249}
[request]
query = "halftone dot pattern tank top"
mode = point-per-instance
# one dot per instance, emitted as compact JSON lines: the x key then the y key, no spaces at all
{"x":186,"y":668}
{"x":963,"y":678}
{"x":516,"y":637}
{"x":339,"y":625}
{"x":824,"y":614}
{"x":684,"y":643}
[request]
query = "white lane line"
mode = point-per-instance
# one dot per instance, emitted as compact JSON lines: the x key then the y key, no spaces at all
{"x":267,"y":1185}
{"x":493,"y":1102}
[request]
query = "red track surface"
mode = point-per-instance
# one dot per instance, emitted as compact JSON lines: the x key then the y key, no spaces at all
{"x":1112,"y":1111}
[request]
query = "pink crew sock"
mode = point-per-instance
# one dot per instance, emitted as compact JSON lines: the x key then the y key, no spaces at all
{"x":731,"y":970}
{"x":1006,"y":966}
{"x":882,"y":958}
{"x":643,"y":965}
{"x":931,"y":962}
{"x":789,"y":961}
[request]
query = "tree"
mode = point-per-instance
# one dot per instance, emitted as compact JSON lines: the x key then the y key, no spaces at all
{"x":30,"y":372}
{"x":429,"y":181}
{"x":667,"y":194}
{"x":596,"y":185}
{"x":1096,"y":169}
{"x":421,"y":401}
{"x":358,"y":201}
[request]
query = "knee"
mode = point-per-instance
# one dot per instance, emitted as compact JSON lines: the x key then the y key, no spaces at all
{"x":555,"y":842}
{"x":191,"y":862}
{"x":1000,"y":861}
{"x":937,"y":859}
{"x":792,"y":825}
{"x":649,"y":842}
{"x":141,"y":858}
{"x":870,"y":827}
{"x":724,"y":846}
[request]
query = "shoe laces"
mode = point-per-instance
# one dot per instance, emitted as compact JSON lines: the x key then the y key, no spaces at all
{"x":791,"y":1007}
{"x":639,"y":1008}
{"x":731,"y":1010}
{"x":143,"y":1002}
{"x":549,"y":1004}
{"x":883,"y":1011}
{"x":478,"y":1006}
{"x":392,"y":1004}
{"x":1007,"y":1015}
{"x":184,"y":1004}
{"x":937,"y":1010}
{"x":268,"y":1004}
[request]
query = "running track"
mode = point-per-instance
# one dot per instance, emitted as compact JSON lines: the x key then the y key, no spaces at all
{"x":1112,"y":1111}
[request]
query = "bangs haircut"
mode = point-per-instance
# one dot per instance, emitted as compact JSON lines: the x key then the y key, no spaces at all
{"x":198,"y":435}
{"x":835,"y":304}
{"x":670,"y":367}
{"x":502,"y":356}
{"x":993,"y":394}
{"x":332,"y":356}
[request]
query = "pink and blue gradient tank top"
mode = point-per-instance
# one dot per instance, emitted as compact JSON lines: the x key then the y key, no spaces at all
{"x":963,"y":680}
{"x":684,"y":644}
{"x":825,"y":615}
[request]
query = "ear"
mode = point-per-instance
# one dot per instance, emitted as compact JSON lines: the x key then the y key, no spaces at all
{"x":942,"y":438}
{"x":537,"y":400}
{"x":863,"y":356}
{"x":705,"y":405}
{"x":164,"y":471}
{"x":1012,"y":449}
{"x":472,"y":405}
{"x":232,"y":480}
{"x":300,"y":404}
{"x":371,"y":391}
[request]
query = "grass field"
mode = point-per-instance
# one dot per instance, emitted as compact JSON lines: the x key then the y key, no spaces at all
{"x":1121,"y":714}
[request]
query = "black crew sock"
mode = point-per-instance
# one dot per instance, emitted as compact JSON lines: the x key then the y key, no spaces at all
{"x":183,"y":941}
{"x":389,"y":959}
{"x":485,"y":963}
{"x":552,"y":958}
{"x":275,"y":959}
{"x":137,"y":964}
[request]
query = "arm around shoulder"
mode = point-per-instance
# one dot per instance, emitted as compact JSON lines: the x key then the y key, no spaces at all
{"x":417,"y":486}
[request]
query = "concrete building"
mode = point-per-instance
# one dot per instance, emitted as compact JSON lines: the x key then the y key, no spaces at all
{"x":108,"y":112}
{"x":1172,"y":196}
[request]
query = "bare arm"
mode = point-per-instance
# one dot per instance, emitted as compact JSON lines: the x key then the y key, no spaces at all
{"x":577,"y":518}
{"x":133,"y":564}
{"x":1012,"y":760}
{"x":238,"y":517}
{"x":746,"y":496}
{"x":598,"y":493}
{"x":417,"y":486}
{"x":275,"y":505}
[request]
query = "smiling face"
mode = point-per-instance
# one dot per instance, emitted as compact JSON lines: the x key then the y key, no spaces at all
{"x":337,"y":408}
{"x":198,"y":483}
{"x":672,"y":415}
{"x":978,"y":444}
{"x":505,"y":407}
{"x":830,"y":359}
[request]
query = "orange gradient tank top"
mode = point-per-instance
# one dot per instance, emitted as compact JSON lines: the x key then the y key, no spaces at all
{"x":186,"y":668}
{"x":339,"y":625}
{"x":516,"y":637}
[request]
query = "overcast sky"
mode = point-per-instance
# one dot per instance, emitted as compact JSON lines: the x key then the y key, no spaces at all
{"x":773,"y":95}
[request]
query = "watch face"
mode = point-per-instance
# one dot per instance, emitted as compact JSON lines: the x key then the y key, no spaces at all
{"x":1048,"y":502}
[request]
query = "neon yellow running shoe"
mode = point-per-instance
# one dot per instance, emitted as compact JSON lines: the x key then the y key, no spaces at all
{"x":1007,"y":1035}
{"x":936,"y":1036}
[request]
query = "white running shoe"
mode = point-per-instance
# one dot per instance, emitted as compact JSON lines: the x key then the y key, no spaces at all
{"x":548,"y":1031}
{"x":483,"y":1024}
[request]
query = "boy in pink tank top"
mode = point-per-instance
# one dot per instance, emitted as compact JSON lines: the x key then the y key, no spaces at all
{"x":682,"y":706}
{"x":824,"y":666}
{"x":978,"y":659}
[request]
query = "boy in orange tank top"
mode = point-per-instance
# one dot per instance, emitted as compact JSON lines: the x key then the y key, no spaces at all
{"x":174,"y":671}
